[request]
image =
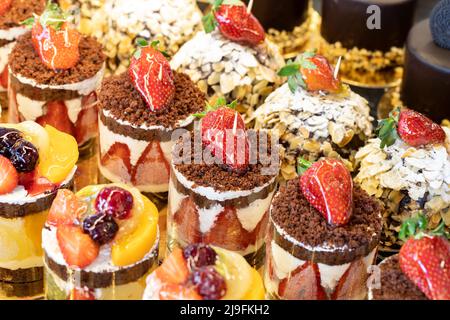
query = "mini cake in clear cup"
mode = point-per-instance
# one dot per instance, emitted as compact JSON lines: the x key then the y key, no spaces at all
{"x":136,"y":126}
{"x":99,"y":244}
{"x":239,"y":69}
{"x":317,"y":117}
{"x":408,"y":168}
{"x":55,"y":83}
{"x":220,"y":202}
{"x":204,"y":272}
{"x":36,"y":162}
{"x":318,"y":255}
{"x":10,"y":30}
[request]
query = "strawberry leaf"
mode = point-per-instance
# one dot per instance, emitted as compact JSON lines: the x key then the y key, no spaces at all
{"x":289,"y":70}
{"x":302,"y":165}
{"x":387,"y":129}
{"x":220,"y":102}
{"x":28,"y":22}
{"x":293,"y":69}
{"x":209,"y":22}
{"x":53,"y":16}
{"x":416,"y":227}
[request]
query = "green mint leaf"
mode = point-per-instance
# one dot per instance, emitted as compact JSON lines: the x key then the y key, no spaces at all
{"x":292,"y":83}
{"x":300,"y":81}
{"x":199,"y":115}
{"x":303,"y":165}
{"x":209,"y":22}
{"x":289,"y":70}
{"x":141,"y":42}
{"x":28,"y":22}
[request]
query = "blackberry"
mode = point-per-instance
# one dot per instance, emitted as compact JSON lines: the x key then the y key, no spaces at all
{"x":209,"y":283}
{"x":199,"y":255}
{"x":24,"y":156}
{"x":100,"y":227}
{"x":8,"y":137}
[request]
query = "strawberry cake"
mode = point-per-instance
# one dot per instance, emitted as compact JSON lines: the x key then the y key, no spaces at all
{"x":408,"y":168}
{"x":314,"y":114}
{"x":225,"y":201}
{"x":54,"y":72}
{"x":12,"y":13}
{"x":35,"y":162}
{"x":203,"y":272}
{"x":139,"y":111}
{"x":323,"y":235}
{"x":99,"y":243}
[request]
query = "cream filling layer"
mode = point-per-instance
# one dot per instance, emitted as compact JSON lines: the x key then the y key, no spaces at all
{"x":4,"y":53}
{"x":12,"y":33}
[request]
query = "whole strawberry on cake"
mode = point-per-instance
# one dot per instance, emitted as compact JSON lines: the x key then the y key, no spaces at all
{"x":99,"y":243}
{"x":139,"y":111}
{"x":54,"y":72}
{"x":323,"y":235}
{"x":35,"y":162}
{"x":232,"y":57}
{"x":314,"y":114}
{"x":408,"y":168}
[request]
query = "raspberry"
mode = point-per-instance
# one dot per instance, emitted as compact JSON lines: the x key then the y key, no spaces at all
{"x":209,"y":283}
{"x":199,"y":255}
{"x":114,"y":201}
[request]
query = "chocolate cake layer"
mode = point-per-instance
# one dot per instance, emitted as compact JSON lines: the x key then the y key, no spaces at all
{"x":21,"y":290}
{"x":394,"y":284}
{"x":346,"y":21}
{"x":281,"y":15}
{"x":4,"y":42}
{"x":13,"y":210}
{"x":25,"y":61}
{"x":21,"y":275}
{"x":19,"y":11}
{"x":292,"y":213}
{"x":119,"y":96}
{"x":426,"y":77}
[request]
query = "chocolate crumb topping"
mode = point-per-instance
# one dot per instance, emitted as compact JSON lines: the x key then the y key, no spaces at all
{"x":395,"y":285}
{"x":24,"y":60}
{"x":19,"y":11}
{"x":119,"y":96}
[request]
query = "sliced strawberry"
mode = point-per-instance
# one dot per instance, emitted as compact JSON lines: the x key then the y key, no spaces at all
{"x":9,"y":178}
{"x":117,"y":161}
{"x":302,"y":284}
{"x":87,"y":121}
{"x":56,"y":116}
{"x":66,"y":208}
{"x":81,"y":294}
{"x":187,"y":223}
{"x":416,"y":129}
{"x":36,"y":184}
{"x":172,"y":291}
{"x":4,"y":6}
{"x":152,"y":167}
{"x":174,"y":269}
{"x":77,"y":247}
{"x":352,"y":284}
{"x":4,"y":78}
{"x":328,"y":187}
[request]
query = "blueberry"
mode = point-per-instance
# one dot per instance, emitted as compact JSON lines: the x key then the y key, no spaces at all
{"x":8,"y":137}
{"x":209,"y":283}
{"x":199,"y":255}
{"x":101,"y":227}
{"x":24,"y":156}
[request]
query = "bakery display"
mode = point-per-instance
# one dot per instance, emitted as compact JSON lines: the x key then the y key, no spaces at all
{"x":203,"y":272}
{"x":323,"y":236}
{"x":314,"y":114}
{"x":54,"y":72}
{"x":35,"y":162}
{"x":99,"y":243}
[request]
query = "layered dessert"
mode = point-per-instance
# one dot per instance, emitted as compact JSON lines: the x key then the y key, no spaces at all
{"x":314,"y":114}
{"x":369,"y":36}
{"x":323,"y":236}
{"x":238,"y":65}
{"x":222,"y":181}
{"x":408,"y":168}
{"x":99,"y":244}
{"x":203,"y":272}
{"x":54,"y":72}
{"x":139,"y":111}
{"x":12,"y":13}
{"x":35,"y":162}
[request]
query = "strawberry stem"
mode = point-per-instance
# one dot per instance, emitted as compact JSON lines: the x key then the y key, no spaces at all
{"x":302,"y":165}
{"x":220,"y":102}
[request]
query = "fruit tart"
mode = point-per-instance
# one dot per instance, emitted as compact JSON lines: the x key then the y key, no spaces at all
{"x":421,"y":270}
{"x":35,"y":162}
{"x":99,"y":243}
{"x":314,"y":114}
{"x":408,"y":167}
{"x":222,"y":197}
{"x":12,"y":13}
{"x":54,"y":72}
{"x":323,"y":235}
{"x":139,"y":111}
{"x":232,"y":57}
{"x":204,"y":272}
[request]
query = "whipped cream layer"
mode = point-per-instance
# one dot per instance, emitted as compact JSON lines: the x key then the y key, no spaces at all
{"x":12,"y":33}
{"x":4,"y":53}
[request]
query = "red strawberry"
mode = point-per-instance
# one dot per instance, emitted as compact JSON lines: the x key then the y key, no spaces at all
{"x":35,"y":184}
{"x":4,"y":6}
{"x":302,"y":284}
{"x":172,"y":291}
{"x":117,"y":161}
{"x":81,"y":294}
{"x":218,"y":127}
{"x":352,"y":284}
{"x":9,"y":178}
{"x":56,"y":116}
{"x":77,"y":247}
{"x":4,"y":78}
{"x":417,"y":130}
{"x":322,"y":77}
{"x":86,"y":125}
{"x":187,"y":223}
{"x":152,"y":76}
{"x":66,"y":208}
{"x":328,"y":187}
{"x":426,"y":262}
{"x":174,"y":269}
{"x":152,"y":167}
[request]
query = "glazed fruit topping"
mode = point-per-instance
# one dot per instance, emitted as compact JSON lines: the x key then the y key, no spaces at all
{"x":209,"y":283}
{"x":235,"y":21}
{"x":174,"y":268}
{"x":312,"y":72}
{"x":77,"y":248}
{"x":151,"y":75}
{"x":101,"y":227}
{"x":24,"y":156}
{"x":199,"y":255}
{"x":114,"y":201}
{"x":81,"y":294}
{"x":9,"y":178}
{"x":414,"y":128}
{"x":4,"y":6}
{"x":8,"y":137}
{"x":328,"y":187}
{"x":66,"y":209}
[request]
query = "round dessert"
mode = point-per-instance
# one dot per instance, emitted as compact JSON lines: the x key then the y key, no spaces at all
{"x":35,"y":162}
{"x":314,"y":115}
{"x":408,"y":168}
{"x":323,"y":236}
{"x":203,"y":272}
{"x":223,"y":200}
{"x":369,"y":36}
{"x":241,"y":67}
{"x":139,"y":111}
{"x":99,"y":244}
{"x":11,"y":17}
{"x":54,"y":72}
